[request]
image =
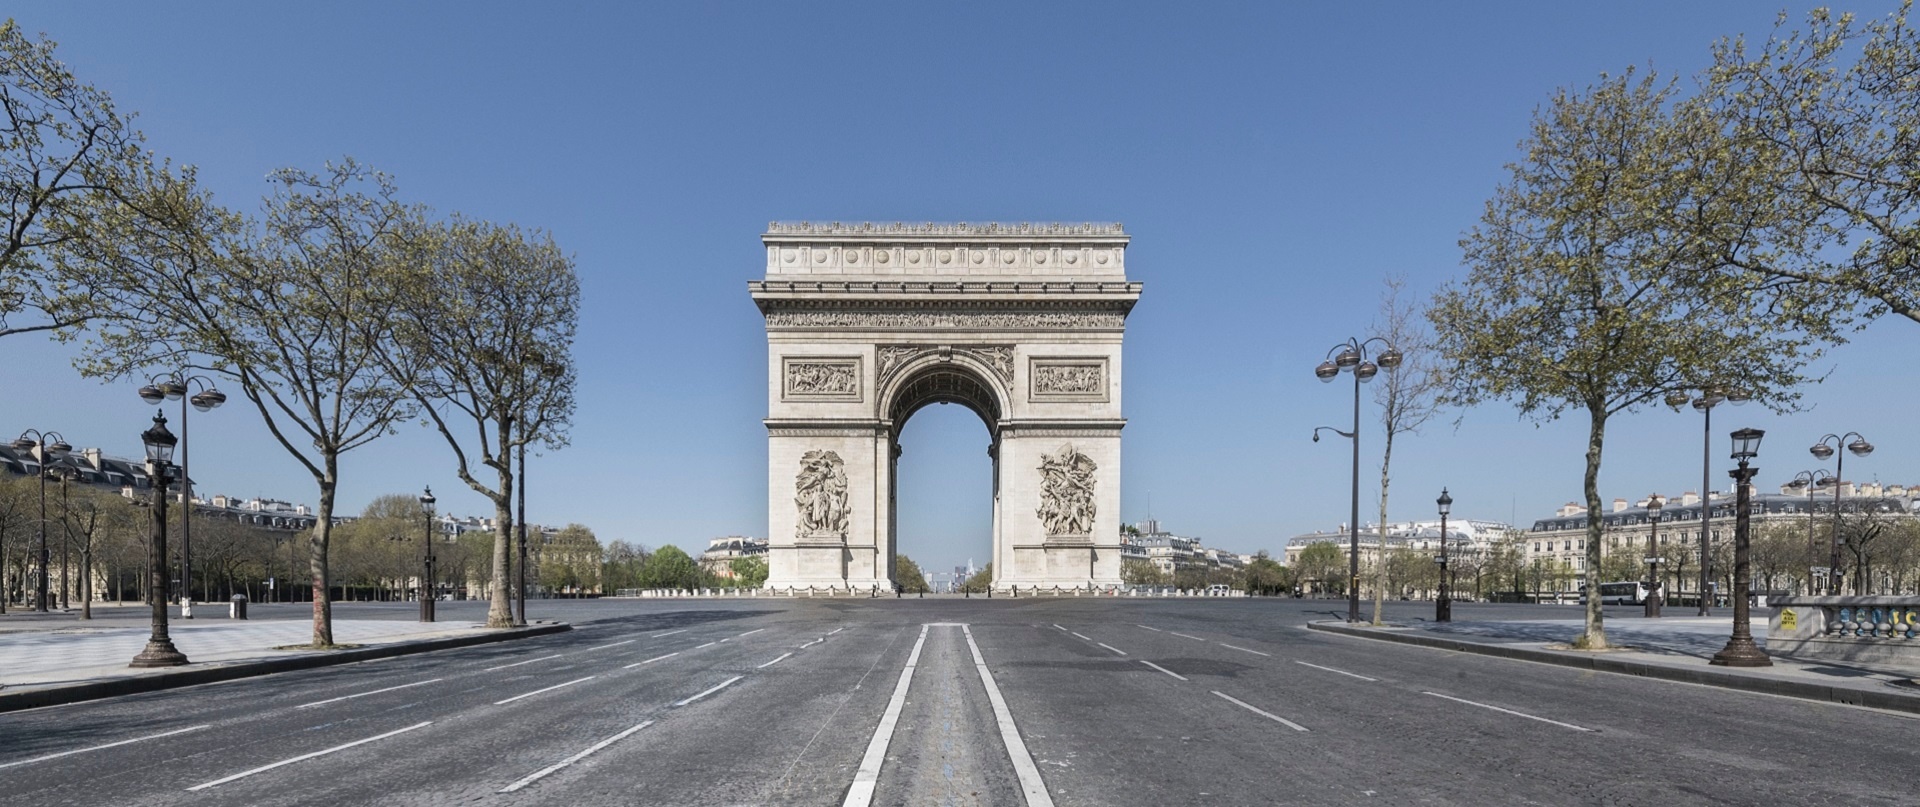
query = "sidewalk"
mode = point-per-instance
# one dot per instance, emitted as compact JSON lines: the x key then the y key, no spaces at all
{"x":71,"y":662}
{"x":1671,"y":648}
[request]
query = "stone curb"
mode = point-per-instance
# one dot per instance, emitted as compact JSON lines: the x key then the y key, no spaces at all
{"x":1709,"y":676}
{"x":228,"y":671}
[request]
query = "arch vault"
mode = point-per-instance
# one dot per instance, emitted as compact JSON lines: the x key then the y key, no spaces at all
{"x":1020,"y":323}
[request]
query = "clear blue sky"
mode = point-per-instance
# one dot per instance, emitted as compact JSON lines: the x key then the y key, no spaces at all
{"x":1273,"y":161}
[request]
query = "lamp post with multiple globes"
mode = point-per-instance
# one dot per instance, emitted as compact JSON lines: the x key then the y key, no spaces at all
{"x":174,"y":387}
{"x":1351,"y":356}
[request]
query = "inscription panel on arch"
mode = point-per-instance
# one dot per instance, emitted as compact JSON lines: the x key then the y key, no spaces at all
{"x":1067,"y":379}
{"x":820,"y":378}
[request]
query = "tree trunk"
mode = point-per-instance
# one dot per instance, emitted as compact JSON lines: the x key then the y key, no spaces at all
{"x":317,"y":557}
{"x":86,"y":582}
{"x":1595,"y":637}
{"x":499,"y":609}
{"x":1380,"y":533}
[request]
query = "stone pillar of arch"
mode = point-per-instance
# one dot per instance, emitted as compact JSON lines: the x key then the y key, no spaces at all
{"x":868,"y":323}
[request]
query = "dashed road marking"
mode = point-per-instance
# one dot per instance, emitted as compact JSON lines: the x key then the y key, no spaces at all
{"x":651,"y":660}
{"x":716,"y":688}
{"x":538,"y":691}
{"x":1163,"y":669}
{"x":362,"y":694}
{"x":1245,"y":650}
{"x":528,"y":661}
{"x":773,"y":662}
{"x":303,"y":757}
{"x":1111,"y":647}
{"x":1332,"y":670}
{"x":1184,"y":636}
{"x":100,"y":747}
{"x":537,"y":775}
{"x":1509,"y":711}
{"x":1261,"y":712}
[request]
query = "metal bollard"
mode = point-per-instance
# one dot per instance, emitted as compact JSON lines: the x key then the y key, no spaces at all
{"x":237,"y":609}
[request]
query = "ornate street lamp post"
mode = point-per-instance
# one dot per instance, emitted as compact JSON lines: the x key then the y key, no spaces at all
{"x":427,"y":593}
{"x":47,"y":448}
{"x":1740,"y":650}
{"x":159,"y":651}
{"x":1859,"y":447}
{"x":1654,"y":505}
{"x":1811,"y":481}
{"x":1351,"y":355}
{"x":173,"y":387}
{"x":1704,"y":404}
{"x":1443,"y":606}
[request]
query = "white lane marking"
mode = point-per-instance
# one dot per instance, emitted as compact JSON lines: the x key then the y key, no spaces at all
{"x":538,"y":691}
{"x":1332,"y":670}
{"x":1111,"y":647}
{"x":669,"y":633}
{"x":537,"y":775}
{"x":1509,"y":711}
{"x":528,"y":661}
{"x":1057,"y":625}
{"x":1030,"y":783}
{"x":100,"y":747}
{"x":773,"y":662}
{"x":1261,"y":712}
{"x":605,"y":646}
{"x":868,"y":776}
{"x":1151,"y":628}
{"x":835,"y":630}
{"x":1245,"y":650}
{"x":751,"y":632}
{"x":651,"y":660}
{"x":1083,"y":637}
{"x":707,"y":645}
{"x":302,"y":757}
{"x":716,"y":688}
{"x":364,"y":694}
{"x":1184,"y":636}
{"x":1163,"y":669}
{"x":812,"y":643}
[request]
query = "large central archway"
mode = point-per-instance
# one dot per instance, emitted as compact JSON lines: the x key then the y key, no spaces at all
{"x":867,"y":324}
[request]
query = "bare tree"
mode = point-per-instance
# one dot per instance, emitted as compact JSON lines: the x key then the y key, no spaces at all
{"x":294,"y":310}
{"x":1408,"y":396}
{"x":488,"y":327}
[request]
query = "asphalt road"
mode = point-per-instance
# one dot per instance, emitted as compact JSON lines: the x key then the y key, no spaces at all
{"x":957,"y":702}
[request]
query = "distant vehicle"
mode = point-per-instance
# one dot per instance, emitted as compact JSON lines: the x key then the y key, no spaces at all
{"x":1219,"y":588}
{"x":1621,"y":593}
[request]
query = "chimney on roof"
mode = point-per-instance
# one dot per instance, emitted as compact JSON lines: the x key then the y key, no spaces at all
{"x":92,"y":458}
{"x":1688,"y":498}
{"x":1619,"y":505}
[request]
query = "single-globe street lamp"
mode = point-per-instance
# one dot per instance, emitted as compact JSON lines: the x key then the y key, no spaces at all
{"x":1704,"y":404}
{"x":46,"y":448}
{"x":1351,"y":356}
{"x":427,"y":594}
{"x":159,"y":651}
{"x":1654,"y":505}
{"x":1811,"y":481}
{"x":1443,"y":607}
{"x":174,"y":387}
{"x":1740,"y":650}
{"x":1859,"y":447}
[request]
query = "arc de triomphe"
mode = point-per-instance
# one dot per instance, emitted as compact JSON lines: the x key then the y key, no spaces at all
{"x":867,"y":323}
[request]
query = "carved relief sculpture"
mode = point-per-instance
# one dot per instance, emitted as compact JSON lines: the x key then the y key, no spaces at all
{"x":831,"y":379}
{"x":1066,"y":492}
{"x":820,"y":493}
{"x":1068,"y":379}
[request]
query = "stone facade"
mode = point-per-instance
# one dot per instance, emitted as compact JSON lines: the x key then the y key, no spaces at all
{"x":867,"y":323}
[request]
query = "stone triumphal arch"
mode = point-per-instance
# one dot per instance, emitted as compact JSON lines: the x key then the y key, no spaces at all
{"x":867,"y":323}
